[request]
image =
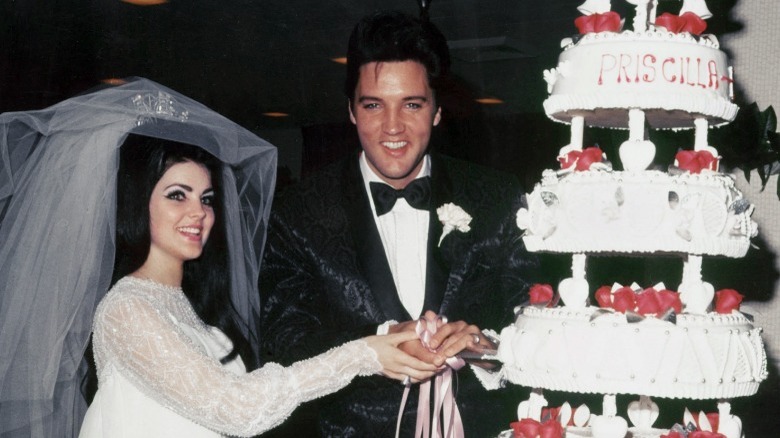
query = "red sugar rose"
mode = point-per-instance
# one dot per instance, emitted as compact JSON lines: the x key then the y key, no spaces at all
{"x":687,"y":22}
{"x":696,"y":161}
{"x":651,"y":301}
{"x":606,"y":22}
{"x":604,"y":297}
{"x":589,"y":156}
{"x":541,"y":294}
{"x":714,"y":419}
{"x":727,"y":300}
{"x":705,"y":434}
{"x":525,"y":428}
{"x":623,"y":299}
{"x":550,"y":413}
{"x":551,"y":429}
{"x":528,"y":428}
{"x":670,"y":299}
{"x":581,"y":160}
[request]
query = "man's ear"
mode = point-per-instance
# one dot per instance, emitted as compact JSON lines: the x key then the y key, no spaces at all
{"x":436,"y":117}
{"x":351,"y":115}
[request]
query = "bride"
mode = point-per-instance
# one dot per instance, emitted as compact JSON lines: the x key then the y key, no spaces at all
{"x":145,"y":190}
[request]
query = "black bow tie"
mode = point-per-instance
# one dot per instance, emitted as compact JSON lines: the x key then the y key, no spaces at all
{"x":417,"y":193}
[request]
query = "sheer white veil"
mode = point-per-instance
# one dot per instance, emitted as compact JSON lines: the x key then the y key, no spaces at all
{"x":57,"y":216}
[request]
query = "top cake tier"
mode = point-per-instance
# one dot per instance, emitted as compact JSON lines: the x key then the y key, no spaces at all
{"x":675,"y":78}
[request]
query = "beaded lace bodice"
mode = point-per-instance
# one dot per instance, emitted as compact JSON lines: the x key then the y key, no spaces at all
{"x":141,"y":331}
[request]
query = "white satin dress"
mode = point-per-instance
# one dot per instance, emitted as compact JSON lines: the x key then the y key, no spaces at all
{"x":159,"y":373}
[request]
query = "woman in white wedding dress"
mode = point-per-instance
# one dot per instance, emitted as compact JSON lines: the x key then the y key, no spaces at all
{"x":178,"y":236}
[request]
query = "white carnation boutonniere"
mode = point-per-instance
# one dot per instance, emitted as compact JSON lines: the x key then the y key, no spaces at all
{"x":453,"y":217}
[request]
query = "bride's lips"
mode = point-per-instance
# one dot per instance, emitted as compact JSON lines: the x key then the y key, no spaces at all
{"x":191,"y":232}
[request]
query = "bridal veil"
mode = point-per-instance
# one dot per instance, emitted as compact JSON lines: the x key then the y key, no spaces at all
{"x":57,"y":215}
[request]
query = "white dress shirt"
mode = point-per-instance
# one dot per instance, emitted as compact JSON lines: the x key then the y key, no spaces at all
{"x":404,"y":235}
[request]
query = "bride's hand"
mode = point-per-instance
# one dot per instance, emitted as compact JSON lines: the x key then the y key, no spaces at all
{"x":395,"y":363}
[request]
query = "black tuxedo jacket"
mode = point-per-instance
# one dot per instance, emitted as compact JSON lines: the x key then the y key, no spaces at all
{"x":326,"y":281}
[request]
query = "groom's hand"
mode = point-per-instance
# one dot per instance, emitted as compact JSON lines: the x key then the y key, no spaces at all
{"x":415,"y":347}
{"x":454,"y":337}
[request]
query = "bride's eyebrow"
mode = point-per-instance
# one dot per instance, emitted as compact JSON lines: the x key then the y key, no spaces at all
{"x":183,"y":186}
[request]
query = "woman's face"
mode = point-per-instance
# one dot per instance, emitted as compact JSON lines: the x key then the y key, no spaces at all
{"x":181,"y":214}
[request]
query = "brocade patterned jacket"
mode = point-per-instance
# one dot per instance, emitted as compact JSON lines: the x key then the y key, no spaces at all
{"x":326,"y":280}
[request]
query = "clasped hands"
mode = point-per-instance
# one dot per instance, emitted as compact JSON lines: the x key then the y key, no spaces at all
{"x":422,"y":362}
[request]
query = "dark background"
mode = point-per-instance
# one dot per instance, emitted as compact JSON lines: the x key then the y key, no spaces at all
{"x":243,"y":58}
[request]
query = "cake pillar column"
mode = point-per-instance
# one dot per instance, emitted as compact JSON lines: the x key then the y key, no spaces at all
{"x":695,"y":294}
{"x":609,"y":425}
{"x":575,"y":142}
{"x":698,"y":7}
{"x":643,"y":412}
{"x":577,"y":130}
{"x":532,"y":408}
{"x":574,"y":291}
{"x":728,"y":425}
{"x":644,"y":8}
{"x":636,"y":153}
{"x":701,"y":142}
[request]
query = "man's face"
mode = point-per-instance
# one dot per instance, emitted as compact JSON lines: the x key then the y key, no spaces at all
{"x":394,"y":112}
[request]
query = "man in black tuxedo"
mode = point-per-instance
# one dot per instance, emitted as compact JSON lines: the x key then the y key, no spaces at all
{"x":341,"y":264}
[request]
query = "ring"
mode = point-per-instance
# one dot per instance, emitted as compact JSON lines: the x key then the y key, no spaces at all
{"x":476,"y":339}
{"x":407,"y":381}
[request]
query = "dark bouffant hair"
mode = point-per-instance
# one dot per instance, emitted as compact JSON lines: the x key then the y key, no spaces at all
{"x":389,"y":36}
{"x":206,"y":281}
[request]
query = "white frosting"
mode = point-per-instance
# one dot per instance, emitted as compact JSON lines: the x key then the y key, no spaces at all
{"x":638,"y":212}
{"x":674,"y":78}
{"x":699,"y":357}
{"x":647,"y":77}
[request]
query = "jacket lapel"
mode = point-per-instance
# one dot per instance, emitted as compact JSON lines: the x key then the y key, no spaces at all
{"x":437,"y":270}
{"x":369,"y":250}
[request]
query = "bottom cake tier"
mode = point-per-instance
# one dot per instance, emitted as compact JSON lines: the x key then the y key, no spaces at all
{"x":537,"y":419}
{"x":587,"y":350}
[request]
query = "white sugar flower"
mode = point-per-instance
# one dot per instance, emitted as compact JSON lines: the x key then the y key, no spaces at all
{"x":523,"y":219}
{"x":453,"y":217}
{"x":551,"y":77}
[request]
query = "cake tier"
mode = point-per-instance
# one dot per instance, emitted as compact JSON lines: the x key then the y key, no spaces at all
{"x":585,"y":432}
{"x":674,"y":78}
{"x":637,"y":212}
{"x":700,"y":357}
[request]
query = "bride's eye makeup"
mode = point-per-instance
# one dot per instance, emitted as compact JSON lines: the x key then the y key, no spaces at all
{"x":176,"y":195}
{"x":208,"y":199}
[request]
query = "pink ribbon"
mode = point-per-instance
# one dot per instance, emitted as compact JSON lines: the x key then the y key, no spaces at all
{"x":445,"y":421}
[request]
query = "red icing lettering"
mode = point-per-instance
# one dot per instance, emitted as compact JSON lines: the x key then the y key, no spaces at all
{"x":668,"y":77}
{"x":612,"y":62}
{"x":713,"y":74}
{"x":649,"y":63}
{"x":625,"y":62}
{"x":637,"y":68}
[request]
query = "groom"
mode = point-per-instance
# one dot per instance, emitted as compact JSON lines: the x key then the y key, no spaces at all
{"x":359,"y":249}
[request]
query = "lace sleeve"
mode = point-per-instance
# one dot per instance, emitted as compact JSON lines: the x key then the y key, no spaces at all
{"x":161,"y":360}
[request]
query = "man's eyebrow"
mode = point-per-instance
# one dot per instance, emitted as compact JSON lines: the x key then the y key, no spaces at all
{"x":405,"y":99}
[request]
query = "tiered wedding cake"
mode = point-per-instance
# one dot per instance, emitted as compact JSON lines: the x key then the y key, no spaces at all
{"x":646,"y":340}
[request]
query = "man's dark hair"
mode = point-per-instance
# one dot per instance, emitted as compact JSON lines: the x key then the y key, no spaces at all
{"x":389,"y":36}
